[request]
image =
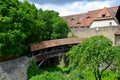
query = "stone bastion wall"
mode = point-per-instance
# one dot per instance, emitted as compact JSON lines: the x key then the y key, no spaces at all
{"x":14,"y":69}
{"x":89,"y":32}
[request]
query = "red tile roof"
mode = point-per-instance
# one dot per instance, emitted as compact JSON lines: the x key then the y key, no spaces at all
{"x":86,"y":19}
{"x":104,"y":14}
{"x":104,"y":11}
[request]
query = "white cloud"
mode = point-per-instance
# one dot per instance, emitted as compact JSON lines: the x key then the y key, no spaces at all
{"x":75,"y":7}
{"x":66,"y":9}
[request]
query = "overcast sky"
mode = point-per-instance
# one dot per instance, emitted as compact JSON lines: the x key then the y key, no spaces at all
{"x":69,"y":7}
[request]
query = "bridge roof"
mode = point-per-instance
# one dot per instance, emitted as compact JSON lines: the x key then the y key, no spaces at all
{"x":53,"y":43}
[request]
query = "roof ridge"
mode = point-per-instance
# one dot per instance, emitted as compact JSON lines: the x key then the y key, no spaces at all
{"x":111,"y":12}
{"x":93,"y":15}
{"x":90,"y":11}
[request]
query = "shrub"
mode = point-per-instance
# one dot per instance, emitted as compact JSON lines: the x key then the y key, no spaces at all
{"x":33,"y":70}
{"x":76,"y":74}
{"x":64,"y":69}
{"x":49,"y":76}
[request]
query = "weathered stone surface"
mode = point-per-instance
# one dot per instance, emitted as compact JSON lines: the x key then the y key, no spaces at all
{"x":108,"y":32}
{"x":14,"y":69}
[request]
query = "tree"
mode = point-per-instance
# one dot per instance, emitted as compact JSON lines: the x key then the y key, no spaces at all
{"x":117,"y":62}
{"x":91,"y":54}
{"x":18,"y":22}
{"x":55,"y":27}
{"x":21,"y":23}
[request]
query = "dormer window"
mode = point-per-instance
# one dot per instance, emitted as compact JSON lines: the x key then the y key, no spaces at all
{"x":72,"y":19}
{"x":78,"y":22}
{"x":103,"y":13}
{"x":88,"y":17}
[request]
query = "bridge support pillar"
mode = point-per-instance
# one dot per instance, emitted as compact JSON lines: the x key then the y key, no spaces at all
{"x":62,"y":60}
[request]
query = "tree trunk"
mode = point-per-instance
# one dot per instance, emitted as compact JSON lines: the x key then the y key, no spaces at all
{"x":99,"y":76}
{"x":95,"y":74}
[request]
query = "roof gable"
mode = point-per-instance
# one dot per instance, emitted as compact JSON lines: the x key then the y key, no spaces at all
{"x":104,"y":12}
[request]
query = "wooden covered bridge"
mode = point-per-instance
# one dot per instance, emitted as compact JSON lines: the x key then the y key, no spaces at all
{"x":52,"y":48}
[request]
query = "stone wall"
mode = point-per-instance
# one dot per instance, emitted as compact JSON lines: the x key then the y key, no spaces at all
{"x":89,"y":32}
{"x":14,"y":69}
{"x":117,"y":40}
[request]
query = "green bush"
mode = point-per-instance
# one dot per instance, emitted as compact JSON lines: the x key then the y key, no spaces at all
{"x":49,"y":76}
{"x":33,"y":70}
{"x":64,"y":73}
{"x":76,"y":74}
{"x":107,"y":75}
{"x":64,"y":69}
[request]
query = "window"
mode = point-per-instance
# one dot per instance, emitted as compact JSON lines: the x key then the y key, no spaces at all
{"x":72,"y":19}
{"x":88,"y":17}
{"x":78,"y":22}
{"x":110,"y":23}
{"x":103,"y":15}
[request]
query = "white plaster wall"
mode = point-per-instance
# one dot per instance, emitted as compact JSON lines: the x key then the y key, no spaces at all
{"x":103,"y":23}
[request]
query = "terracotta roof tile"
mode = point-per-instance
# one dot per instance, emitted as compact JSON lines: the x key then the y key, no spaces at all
{"x":104,"y":14}
{"x":89,"y":21}
{"x":93,"y":15}
{"x":53,"y":43}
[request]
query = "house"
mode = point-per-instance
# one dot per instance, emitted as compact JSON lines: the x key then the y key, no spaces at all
{"x":105,"y":17}
{"x":104,"y":21}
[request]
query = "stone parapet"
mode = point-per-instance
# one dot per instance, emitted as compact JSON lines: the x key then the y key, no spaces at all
{"x":14,"y":69}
